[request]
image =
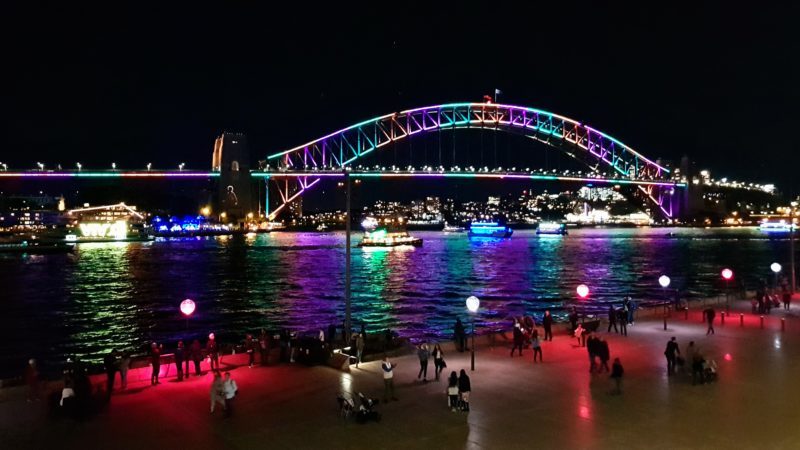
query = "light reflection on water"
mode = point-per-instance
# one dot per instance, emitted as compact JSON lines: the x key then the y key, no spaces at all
{"x":127,"y":294}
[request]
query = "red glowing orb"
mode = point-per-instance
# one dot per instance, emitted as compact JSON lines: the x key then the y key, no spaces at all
{"x":187,"y":307}
{"x":583,"y":291}
{"x":728,"y":357}
{"x":727,"y":274}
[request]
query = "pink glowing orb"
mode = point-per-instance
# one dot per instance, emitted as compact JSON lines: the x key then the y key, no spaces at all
{"x":583,"y":291}
{"x":187,"y":307}
{"x":728,"y":357}
{"x":727,"y":274}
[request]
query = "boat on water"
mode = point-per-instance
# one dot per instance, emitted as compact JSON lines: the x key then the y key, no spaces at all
{"x":551,"y":228}
{"x":384,"y":238}
{"x":322,"y":227}
{"x":369,"y":224}
{"x":453,"y":228}
{"x":489,"y":229}
{"x":781,"y":226}
{"x":36,"y":248}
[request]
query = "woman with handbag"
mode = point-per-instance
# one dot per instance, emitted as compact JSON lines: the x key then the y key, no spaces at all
{"x":438,"y":361}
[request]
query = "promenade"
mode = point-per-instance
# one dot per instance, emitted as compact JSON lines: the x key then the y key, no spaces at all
{"x":515,"y":403}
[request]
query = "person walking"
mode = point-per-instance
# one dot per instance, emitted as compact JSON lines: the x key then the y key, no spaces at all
{"x":787,"y":298}
{"x":603,"y":353}
{"x":32,"y":380}
{"x":592,"y":350}
{"x":710,"y":314}
{"x":518,"y":339}
{"x":229,"y":390}
{"x":359,"y":348}
{"x":612,"y":319}
{"x":460,"y":335}
{"x":671,"y":353}
{"x":573,"y":319}
{"x":197,"y":355}
{"x":388,"y":379}
{"x":623,"y":322}
{"x":155,"y":361}
{"x":212,"y":349}
{"x":263,"y":347}
{"x":547,"y":323}
{"x":438,"y":361}
{"x":124,"y":364}
{"x":111,"y":366}
{"x":697,"y":367}
{"x":616,"y":374}
{"x":452,"y":392}
{"x":423,"y":353}
{"x":180,"y":355}
{"x":536,"y":346}
{"x":464,"y":390}
{"x":217,"y":391}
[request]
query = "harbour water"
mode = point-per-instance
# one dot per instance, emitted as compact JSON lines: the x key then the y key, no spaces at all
{"x":123,"y":295}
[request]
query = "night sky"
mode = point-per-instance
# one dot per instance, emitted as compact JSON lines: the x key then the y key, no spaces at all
{"x":144,"y":83}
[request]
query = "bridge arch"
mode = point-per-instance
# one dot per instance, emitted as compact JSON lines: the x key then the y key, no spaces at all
{"x":338,"y":150}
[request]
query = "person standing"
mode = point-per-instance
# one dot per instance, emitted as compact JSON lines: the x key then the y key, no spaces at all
{"x":124,"y":364}
{"x":579,"y":332}
{"x":460,"y":335}
{"x":616,"y":374}
{"x":180,"y":355}
{"x":438,"y":361}
{"x":591,"y":349}
{"x":452,"y":391}
{"x":388,"y":379}
{"x":217,"y":391}
{"x":197,"y":356}
{"x":612,"y":319}
{"x":710,"y":314}
{"x":359,"y":348}
{"x":212,"y":349}
{"x":464,"y":390}
{"x":263,"y":346}
{"x":518,"y":339}
{"x":623,"y":322}
{"x":229,"y":389}
{"x":250,"y":348}
{"x":547,"y":322}
{"x":155,"y":361}
{"x":32,"y":380}
{"x":110,"y":363}
{"x":689,"y":356}
{"x":671,"y":353}
{"x":603,"y":353}
{"x":787,"y":298}
{"x":536,"y":346}
{"x":573,"y":319}
{"x":423,"y":354}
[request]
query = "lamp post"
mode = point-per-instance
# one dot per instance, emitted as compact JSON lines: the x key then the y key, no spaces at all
{"x":583,"y":291}
{"x":473,"y":303}
{"x":187,"y":308}
{"x":727,"y":274}
{"x":776,"y":269}
{"x":664,"y":281}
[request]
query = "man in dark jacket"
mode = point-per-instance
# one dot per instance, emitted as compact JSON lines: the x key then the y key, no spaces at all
{"x":179,"y":357}
{"x":612,"y":319}
{"x":573,"y":320}
{"x":517,"y":339}
{"x":603,"y":353}
{"x":213,"y":351}
{"x":623,"y":322}
{"x":710,"y":314}
{"x":197,"y":356}
{"x":671,"y":353}
{"x":547,"y":322}
{"x":591,"y":348}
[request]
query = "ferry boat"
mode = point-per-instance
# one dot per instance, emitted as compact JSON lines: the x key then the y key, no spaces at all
{"x":36,"y":248}
{"x":489,"y":229}
{"x":551,"y":228}
{"x":383,"y":238}
{"x":776,"y":227}
{"x":453,"y":228}
{"x":369,"y":224}
{"x":322,"y":227}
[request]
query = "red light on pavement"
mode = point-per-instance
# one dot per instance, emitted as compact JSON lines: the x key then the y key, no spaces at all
{"x":728,"y":357}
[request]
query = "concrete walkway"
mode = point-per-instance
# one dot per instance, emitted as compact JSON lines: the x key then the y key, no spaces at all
{"x":515,"y":403}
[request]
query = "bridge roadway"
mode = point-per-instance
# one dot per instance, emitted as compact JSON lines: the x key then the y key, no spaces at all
{"x":366,"y":174}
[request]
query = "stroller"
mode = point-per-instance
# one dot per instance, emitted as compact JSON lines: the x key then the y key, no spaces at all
{"x":366,"y":411}
{"x":346,"y":406}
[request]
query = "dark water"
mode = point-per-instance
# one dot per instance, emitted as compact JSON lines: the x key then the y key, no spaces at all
{"x":125,"y":294}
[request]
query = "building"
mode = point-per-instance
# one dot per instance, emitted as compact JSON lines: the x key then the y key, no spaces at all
{"x":231,"y":158}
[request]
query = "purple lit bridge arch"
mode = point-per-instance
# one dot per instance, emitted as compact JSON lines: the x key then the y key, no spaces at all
{"x":298,"y":169}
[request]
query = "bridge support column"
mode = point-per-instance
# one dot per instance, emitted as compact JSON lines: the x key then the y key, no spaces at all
{"x":266,"y":199}
{"x":347,"y":324}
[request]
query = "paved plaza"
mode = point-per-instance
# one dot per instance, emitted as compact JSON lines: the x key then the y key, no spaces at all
{"x":515,"y":403}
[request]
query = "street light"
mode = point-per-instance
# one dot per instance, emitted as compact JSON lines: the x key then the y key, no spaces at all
{"x":149,"y":165}
{"x":180,"y":166}
{"x":583,"y":291}
{"x":776,"y":268}
{"x":113,"y":166}
{"x":79,"y":166}
{"x":187,"y":308}
{"x":727,"y":274}
{"x":41,"y":166}
{"x":664,"y":281}
{"x":473,"y":303}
